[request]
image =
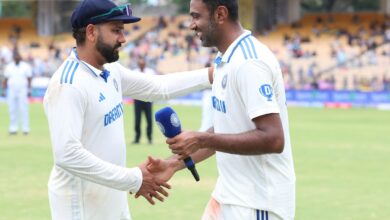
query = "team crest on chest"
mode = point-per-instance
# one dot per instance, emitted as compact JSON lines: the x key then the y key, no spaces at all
{"x":115,"y":84}
{"x":224,"y":81}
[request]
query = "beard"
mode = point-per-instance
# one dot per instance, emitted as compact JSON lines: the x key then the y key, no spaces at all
{"x":107,"y":51}
{"x":209,"y":35}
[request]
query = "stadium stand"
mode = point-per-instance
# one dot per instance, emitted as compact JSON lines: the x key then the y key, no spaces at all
{"x":341,"y":51}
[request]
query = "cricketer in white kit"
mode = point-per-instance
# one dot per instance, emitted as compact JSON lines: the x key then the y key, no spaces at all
{"x":18,"y":76}
{"x":247,"y":84}
{"x":250,"y":134}
{"x":85,"y":113}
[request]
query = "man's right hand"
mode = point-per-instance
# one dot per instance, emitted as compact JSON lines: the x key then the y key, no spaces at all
{"x":151,"y":186}
{"x":164,"y":169}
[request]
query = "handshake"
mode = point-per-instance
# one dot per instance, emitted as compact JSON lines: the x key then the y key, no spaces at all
{"x":157,"y":172}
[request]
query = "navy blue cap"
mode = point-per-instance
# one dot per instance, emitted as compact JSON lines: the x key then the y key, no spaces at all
{"x":100,"y":11}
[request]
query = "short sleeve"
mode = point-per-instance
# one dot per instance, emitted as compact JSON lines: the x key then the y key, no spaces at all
{"x":255,"y":82}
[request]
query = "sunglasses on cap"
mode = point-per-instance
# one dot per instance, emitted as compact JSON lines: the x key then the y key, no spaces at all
{"x":117,"y":11}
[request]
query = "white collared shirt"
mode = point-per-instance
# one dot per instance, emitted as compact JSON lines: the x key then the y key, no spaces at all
{"x":247,"y":84}
{"x":85,"y":116}
{"x":17,"y":74}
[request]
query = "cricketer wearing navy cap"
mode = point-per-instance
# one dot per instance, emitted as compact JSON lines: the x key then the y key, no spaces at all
{"x":84,"y":109}
{"x":99,"y":11}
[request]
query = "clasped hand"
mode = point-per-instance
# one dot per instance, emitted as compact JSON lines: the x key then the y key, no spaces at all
{"x":151,"y":185}
{"x":156,"y":173}
{"x":186,"y":143}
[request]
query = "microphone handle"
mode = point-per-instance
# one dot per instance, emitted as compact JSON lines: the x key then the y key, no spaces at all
{"x":191,"y":166}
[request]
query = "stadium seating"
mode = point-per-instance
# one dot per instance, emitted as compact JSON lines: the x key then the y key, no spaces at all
{"x":321,"y":37}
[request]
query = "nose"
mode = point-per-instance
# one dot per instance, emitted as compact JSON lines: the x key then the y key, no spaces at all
{"x":122,"y":38}
{"x":192,"y":25}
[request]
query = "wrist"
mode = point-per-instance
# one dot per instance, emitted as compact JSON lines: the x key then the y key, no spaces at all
{"x":175,"y":163}
{"x":205,"y":140}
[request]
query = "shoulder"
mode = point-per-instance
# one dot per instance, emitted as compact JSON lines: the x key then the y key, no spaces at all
{"x":10,"y":65}
{"x":69,"y":72}
{"x":25,"y":64}
{"x":245,"y":49}
{"x":68,"y":82}
{"x":250,"y":48}
{"x":253,"y":55}
{"x":120,"y":72}
{"x":72,"y":73}
{"x":116,"y":69}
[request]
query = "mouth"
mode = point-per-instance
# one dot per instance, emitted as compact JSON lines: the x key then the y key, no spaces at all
{"x":199,"y":35}
{"x":116,"y":49}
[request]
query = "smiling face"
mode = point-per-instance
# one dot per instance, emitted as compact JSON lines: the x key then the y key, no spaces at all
{"x":110,"y":38}
{"x":203,"y":23}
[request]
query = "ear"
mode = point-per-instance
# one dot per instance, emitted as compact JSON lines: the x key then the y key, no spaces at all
{"x":221,"y":14}
{"x":91,"y":33}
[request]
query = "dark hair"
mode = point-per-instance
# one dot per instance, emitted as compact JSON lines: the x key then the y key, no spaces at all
{"x":231,"y":5}
{"x":79,"y":35}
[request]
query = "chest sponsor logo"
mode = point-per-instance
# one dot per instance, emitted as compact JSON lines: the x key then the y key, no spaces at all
{"x":266,"y":91}
{"x":219,"y":105}
{"x":113,"y":115}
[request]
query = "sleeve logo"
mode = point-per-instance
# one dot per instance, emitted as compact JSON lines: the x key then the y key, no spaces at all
{"x":266,"y":91}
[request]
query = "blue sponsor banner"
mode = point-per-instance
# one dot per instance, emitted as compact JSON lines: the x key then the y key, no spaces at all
{"x":324,"y":96}
{"x":38,"y":92}
{"x":330,"y":96}
{"x":317,"y":98}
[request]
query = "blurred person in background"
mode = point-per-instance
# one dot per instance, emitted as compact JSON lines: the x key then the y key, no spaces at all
{"x":5,"y":55}
{"x":17,"y":83}
{"x":142,"y":106}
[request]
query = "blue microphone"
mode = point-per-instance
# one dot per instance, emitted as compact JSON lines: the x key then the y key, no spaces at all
{"x":169,"y":124}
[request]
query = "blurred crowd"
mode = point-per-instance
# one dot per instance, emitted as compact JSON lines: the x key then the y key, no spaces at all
{"x":338,"y":57}
{"x":312,"y":56}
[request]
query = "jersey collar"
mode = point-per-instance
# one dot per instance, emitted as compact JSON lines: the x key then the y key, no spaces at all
{"x":92,"y":69}
{"x":226,"y":57}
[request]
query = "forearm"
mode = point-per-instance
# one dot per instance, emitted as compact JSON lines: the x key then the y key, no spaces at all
{"x":158,"y":87}
{"x":85,"y":165}
{"x":179,"y":84}
{"x":253,"y":142}
{"x":197,"y":157}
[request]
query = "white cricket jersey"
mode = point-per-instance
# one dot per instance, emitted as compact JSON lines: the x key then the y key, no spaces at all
{"x":17,"y":75}
{"x":89,"y":179}
{"x":248,"y":83}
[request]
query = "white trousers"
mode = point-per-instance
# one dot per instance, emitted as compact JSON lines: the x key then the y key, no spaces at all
{"x":18,"y":109}
{"x":216,"y":211}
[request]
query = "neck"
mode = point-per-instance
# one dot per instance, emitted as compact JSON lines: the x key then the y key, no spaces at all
{"x":230,"y":33}
{"x":92,"y":57}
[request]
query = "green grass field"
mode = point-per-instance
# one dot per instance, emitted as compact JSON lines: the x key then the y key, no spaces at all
{"x":341,"y":162}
